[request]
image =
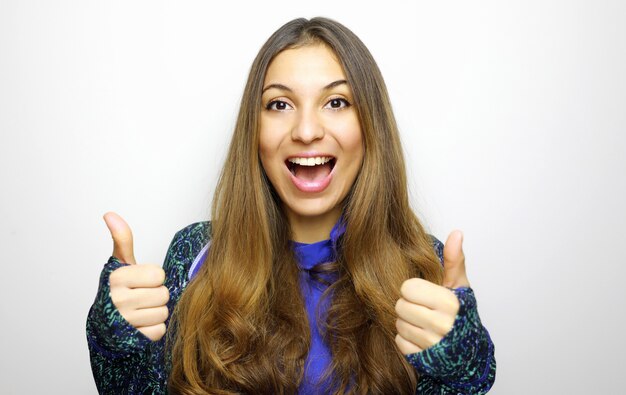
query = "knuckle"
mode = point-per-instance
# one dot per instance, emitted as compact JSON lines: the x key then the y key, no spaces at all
{"x":405,"y":329}
{"x":443,"y":325}
{"x":156,"y":274}
{"x":449,"y":325}
{"x":164,"y":311}
{"x":411,"y":332}
{"x":410,"y":285}
{"x":147,"y":332}
{"x":154,"y":332}
{"x":166,"y":294}
{"x":455,"y":305}
{"x":115,"y":298}
{"x":161,"y":275}
{"x":118,"y":298}
{"x":404,"y":287}
{"x":400,"y":328}
{"x":398,"y":306}
{"x":451,"y":302}
{"x":433,"y":339}
{"x":401,"y":344}
{"x":117,"y":276}
{"x":160,"y":330}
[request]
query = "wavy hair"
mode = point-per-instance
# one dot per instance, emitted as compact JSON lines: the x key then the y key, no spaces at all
{"x":241,"y":326}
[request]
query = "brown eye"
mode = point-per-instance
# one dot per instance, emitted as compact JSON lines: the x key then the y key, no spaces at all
{"x":277,"y":105}
{"x":337,"y":104}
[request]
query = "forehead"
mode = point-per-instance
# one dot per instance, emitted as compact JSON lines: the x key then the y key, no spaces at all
{"x":311,"y":65}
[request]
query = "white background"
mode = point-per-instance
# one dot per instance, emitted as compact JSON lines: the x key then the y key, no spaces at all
{"x":512,"y":114}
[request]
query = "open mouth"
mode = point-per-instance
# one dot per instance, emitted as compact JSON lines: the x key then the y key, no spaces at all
{"x":311,"y":169}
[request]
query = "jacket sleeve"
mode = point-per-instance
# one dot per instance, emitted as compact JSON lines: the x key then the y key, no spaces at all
{"x":463,"y":361}
{"x":123,"y":360}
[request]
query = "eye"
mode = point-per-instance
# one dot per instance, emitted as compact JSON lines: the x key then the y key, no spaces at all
{"x":277,"y":105}
{"x":337,"y":104}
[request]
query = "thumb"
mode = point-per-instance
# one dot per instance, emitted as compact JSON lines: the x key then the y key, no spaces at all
{"x":122,"y":238}
{"x":454,"y":261}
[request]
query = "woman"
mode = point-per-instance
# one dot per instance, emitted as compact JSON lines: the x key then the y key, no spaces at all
{"x":314,"y":275}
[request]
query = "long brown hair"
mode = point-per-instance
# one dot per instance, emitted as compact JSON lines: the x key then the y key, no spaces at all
{"x":241,"y":326}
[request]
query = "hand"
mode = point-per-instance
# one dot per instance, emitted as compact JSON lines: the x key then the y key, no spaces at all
{"x":137,"y":291}
{"x":426,"y":311}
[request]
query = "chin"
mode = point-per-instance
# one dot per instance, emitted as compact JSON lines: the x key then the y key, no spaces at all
{"x":312,"y":209}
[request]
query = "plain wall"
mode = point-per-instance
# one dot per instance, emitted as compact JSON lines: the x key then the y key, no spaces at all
{"x":512,"y":114}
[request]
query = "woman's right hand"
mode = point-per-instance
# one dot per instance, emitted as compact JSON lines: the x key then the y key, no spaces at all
{"x":137,"y":291}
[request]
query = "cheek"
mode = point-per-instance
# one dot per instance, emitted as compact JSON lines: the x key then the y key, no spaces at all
{"x":269,"y":137}
{"x":352,"y":141}
{"x":266,"y":162}
{"x":268,"y":151}
{"x":355,"y":149}
{"x":355,"y":144}
{"x":265,"y":142}
{"x":349,"y":129}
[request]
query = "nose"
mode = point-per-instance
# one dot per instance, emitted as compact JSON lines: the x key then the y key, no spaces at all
{"x":308,"y":127}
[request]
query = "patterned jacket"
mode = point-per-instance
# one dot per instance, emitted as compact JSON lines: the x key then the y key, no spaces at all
{"x":124,"y":361}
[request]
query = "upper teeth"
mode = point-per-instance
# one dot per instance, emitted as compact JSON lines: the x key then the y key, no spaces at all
{"x":318,"y":160}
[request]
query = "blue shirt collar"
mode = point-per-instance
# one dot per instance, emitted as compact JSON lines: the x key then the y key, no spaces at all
{"x":309,"y":255}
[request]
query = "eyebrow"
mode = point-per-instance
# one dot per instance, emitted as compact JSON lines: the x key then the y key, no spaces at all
{"x":288,"y":89}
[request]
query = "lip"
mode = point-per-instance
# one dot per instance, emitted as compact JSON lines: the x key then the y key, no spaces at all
{"x":309,"y":154}
{"x":311,"y":186}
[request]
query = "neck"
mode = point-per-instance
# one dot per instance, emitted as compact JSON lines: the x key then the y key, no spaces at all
{"x":311,"y":229}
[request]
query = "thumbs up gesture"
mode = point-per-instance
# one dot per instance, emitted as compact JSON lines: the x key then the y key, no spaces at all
{"x":137,"y":291}
{"x":426,"y":311}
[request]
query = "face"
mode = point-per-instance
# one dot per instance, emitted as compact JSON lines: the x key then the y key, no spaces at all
{"x":310,"y":141}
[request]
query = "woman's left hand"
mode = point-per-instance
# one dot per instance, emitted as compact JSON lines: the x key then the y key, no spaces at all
{"x":426,"y":311}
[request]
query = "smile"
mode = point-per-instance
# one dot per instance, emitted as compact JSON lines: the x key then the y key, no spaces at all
{"x":311,"y":174}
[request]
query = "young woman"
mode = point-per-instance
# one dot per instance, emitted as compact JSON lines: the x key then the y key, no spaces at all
{"x":314,"y":275}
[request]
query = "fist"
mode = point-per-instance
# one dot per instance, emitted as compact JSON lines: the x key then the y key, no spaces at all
{"x":426,"y":311}
{"x":137,"y":291}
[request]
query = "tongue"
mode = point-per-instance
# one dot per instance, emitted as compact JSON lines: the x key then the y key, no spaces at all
{"x":312,"y":173}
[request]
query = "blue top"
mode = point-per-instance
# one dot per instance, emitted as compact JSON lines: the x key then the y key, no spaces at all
{"x":319,"y":357}
{"x":308,"y":256}
{"x":124,"y":361}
